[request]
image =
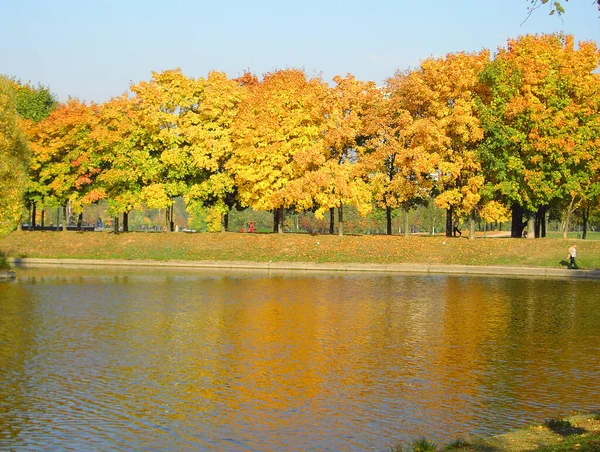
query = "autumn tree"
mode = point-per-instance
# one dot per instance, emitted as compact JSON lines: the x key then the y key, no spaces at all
{"x":127,"y":163}
{"x":207,"y":144}
{"x":341,"y":178}
{"x":160,"y":105}
{"x":63,"y":165}
{"x":439,"y":96}
{"x":13,"y":160}
{"x":405,"y":145}
{"x":277,"y":139}
{"x":540,"y":119}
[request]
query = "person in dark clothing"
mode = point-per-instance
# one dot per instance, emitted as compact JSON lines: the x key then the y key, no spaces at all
{"x":455,"y":229}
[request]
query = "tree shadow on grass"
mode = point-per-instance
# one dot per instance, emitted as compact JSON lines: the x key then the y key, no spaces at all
{"x":563,"y":427}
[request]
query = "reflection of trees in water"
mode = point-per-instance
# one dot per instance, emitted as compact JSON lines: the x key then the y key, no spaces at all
{"x":252,"y":355}
{"x":17,"y":339}
{"x":515,"y":339}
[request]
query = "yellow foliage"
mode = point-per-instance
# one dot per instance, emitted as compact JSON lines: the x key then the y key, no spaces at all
{"x":494,"y":211}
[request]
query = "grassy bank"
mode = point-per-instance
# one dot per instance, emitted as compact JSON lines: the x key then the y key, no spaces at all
{"x":574,"y":433}
{"x":299,"y":248}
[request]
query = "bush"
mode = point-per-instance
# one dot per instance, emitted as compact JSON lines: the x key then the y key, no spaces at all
{"x":4,"y":265}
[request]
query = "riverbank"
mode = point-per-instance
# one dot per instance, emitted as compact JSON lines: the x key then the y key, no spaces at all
{"x":302,"y":249}
{"x":574,"y":433}
{"x":7,"y":275}
{"x":313,"y":267}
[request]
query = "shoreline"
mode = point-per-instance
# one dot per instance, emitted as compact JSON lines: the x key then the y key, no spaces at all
{"x":7,"y":275}
{"x":442,"y":269}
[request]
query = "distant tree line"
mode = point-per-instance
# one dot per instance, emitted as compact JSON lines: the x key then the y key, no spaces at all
{"x":513,"y":135}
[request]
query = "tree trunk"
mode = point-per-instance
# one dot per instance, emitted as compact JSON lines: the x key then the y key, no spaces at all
{"x":116,"y":224}
{"x":80,"y":221}
{"x":225,"y":222}
{"x":543,"y":211}
{"x":449,"y":222}
{"x":280,"y":218}
{"x":169,"y":223}
{"x":517,"y":224}
{"x":406,"y":233}
{"x":537,"y":226}
{"x":33,"y":215}
{"x":331,"y":220}
{"x":42,"y":218}
{"x":472,"y":225}
{"x":570,"y":210}
{"x":125,"y":221}
{"x":531,"y":225}
{"x":341,"y":220}
{"x":65,"y":218}
{"x":276,"y":220}
{"x":585,"y":217}
{"x":388,"y":220}
{"x":172,"y":218}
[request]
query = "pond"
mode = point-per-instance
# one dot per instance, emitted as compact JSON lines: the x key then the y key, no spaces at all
{"x":254,"y":360}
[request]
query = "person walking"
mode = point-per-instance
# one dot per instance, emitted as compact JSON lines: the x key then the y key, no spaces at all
{"x":572,"y":257}
{"x":456,"y":230}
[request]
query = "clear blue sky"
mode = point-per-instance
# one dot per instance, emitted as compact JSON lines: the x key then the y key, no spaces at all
{"x":93,"y":50}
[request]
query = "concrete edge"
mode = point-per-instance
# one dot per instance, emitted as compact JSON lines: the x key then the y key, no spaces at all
{"x":315,"y":266}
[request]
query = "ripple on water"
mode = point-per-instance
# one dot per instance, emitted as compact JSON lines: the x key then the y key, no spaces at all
{"x":151,"y":361}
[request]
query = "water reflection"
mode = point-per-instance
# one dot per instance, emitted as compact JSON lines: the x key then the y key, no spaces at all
{"x":125,"y":360}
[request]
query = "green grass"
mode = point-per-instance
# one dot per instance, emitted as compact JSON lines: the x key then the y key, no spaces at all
{"x":580,"y":432}
{"x":574,"y":235}
{"x":255,"y":247}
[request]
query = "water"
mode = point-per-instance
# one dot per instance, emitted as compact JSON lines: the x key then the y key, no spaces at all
{"x":225,"y":360}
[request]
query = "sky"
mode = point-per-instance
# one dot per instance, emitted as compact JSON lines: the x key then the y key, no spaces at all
{"x":94,"y":50}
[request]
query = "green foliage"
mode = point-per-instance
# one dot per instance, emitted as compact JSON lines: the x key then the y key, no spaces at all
{"x":4,"y":265}
{"x":458,"y":444}
{"x":197,"y":219}
{"x":13,"y":157}
{"x":33,"y":103}
{"x":423,"y":445}
{"x":294,"y":142}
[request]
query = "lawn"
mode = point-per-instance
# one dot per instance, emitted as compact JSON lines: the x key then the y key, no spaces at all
{"x":233,"y":246}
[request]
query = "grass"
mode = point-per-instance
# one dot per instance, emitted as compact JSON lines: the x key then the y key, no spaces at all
{"x":574,"y":235}
{"x":233,"y":246}
{"x":4,"y":265}
{"x":580,"y":432}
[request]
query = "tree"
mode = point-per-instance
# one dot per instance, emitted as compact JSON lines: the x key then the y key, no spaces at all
{"x":398,"y":173}
{"x":14,"y":154}
{"x":540,"y":119}
{"x":340,"y":179}
{"x":554,"y":6}
{"x":208,"y":144}
{"x":63,"y":166}
{"x":33,"y":104}
{"x":439,"y":96}
{"x":160,"y":105}
{"x":127,"y":163}
{"x":278,"y":139}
